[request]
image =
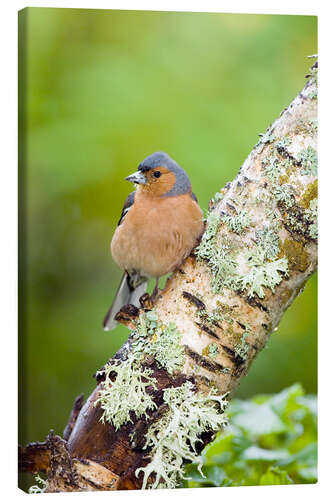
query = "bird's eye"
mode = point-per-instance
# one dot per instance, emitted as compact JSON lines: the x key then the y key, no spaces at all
{"x":157,"y":174}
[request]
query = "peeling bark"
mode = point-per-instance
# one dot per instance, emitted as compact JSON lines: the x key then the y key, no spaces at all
{"x":221,"y":330}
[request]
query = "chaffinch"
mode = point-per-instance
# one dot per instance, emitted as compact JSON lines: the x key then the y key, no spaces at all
{"x":159,"y":225}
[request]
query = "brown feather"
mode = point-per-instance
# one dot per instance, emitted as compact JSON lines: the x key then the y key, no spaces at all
{"x":157,"y":233}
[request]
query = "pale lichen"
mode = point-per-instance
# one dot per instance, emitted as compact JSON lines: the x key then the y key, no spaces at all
{"x":127,"y":392}
{"x":267,"y":137}
{"x":217,"y":197}
{"x":242,"y":348}
{"x":224,"y":269}
{"x":312,"y":217}
{"x":153,"y":338}
{"x":124,"y":389}
{"x":211,"y":317}
{"x":207,"y":245}
{"x":213,"y":350}
{"x":262,"y":273}
{"x":284,"y":195}
{"x":272,"y":168}
{"x":237,"y":223}
{"x":309,"y":160}
{"x":38,"y":488}
{"x":223,"y":264}
{"x":283,"y":143}
{"x":268,"y":239}
{"x":174,"y":437}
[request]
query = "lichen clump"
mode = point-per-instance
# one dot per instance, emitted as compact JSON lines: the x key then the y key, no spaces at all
{"x":222,"y":259}
{"x":161,"y":341}
{"x":40,"y":487}
{"x":311,"y":216}
{"x":174,"y":437}
{"x":213,"y":350}
{"x":268,"y":240}
{"x":242,"y":348}
{"x":262,"y":273}
{"x":126,"y":393}
{"x":237,"y":223}
{"x":309,"y":160}
{"x":124,"y":389}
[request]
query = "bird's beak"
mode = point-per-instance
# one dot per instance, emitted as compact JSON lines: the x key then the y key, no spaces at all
{"x":137,"y":178}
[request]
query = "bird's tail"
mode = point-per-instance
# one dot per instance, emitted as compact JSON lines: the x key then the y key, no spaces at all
{"x":129,"y":292}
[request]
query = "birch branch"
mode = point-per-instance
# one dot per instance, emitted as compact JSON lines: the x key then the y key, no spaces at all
{"x":163,"y":396}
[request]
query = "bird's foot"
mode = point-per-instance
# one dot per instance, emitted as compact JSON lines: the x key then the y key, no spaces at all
{"x":146,"y":301}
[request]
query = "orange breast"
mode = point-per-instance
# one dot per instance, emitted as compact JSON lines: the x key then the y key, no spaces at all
{"x":157,"y":234}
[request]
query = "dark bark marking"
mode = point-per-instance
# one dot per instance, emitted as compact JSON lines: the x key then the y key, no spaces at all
{"x":211,"y":366}
{"x":194,"y":300}
{"x":237,"y":360}
{"x":255,"y":303}
{"x":206,"y":329}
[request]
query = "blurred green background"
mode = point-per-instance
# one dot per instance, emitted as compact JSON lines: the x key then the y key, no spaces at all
{"x":99,"y":91}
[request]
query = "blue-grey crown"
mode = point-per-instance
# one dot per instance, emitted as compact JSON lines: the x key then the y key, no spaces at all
{"x":161,"y":159}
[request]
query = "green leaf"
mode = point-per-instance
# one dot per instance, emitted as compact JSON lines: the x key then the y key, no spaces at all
{"x":254,"y":453}
{"x":274,"y":476}
{"x":257,"y":420}
{"x":269,"y":440}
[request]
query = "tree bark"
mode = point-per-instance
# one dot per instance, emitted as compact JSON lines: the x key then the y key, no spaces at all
{"x":255,"y":257}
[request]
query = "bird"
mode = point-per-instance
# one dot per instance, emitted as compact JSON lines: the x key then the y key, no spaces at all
{"x":161,"y":222}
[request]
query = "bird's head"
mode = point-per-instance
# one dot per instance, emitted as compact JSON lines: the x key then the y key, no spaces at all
{"x":159,"y":175}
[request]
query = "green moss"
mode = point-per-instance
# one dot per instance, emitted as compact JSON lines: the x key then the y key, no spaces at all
{"x":262,"y":273}
{"x":310,"y":193}
{"x":283,"y":179}
{"x":298,"y":258}
{"x":173,"y":438}
{"x":314,"y":94}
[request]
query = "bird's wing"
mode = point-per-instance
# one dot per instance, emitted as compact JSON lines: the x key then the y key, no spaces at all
{"x":127,"y":205}
{"x":194,"y":197}
{"x":129,"y":292}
